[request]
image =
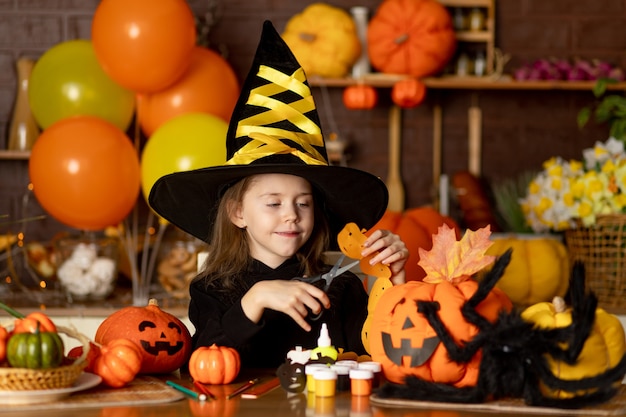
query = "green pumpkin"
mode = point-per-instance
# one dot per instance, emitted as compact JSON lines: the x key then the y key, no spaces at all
{"x":39,"y":350}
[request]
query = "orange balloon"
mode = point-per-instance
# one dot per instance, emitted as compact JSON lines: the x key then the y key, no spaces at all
{"x":85,"y":172}
{"x":144,"y":45}
{"x":209,"y":86}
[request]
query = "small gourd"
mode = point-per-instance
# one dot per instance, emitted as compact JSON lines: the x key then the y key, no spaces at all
{"x":118,"y":363}
{"x":408,"y":93}
{"x":214,"y":364}
{"x":360,"y":97}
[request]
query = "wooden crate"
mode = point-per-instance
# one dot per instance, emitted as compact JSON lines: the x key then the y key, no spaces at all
{"x":471,"y":39}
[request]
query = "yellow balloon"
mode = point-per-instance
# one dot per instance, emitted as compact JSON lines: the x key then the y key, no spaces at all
{"x":68,"y":81}
{"x":183,"y":143}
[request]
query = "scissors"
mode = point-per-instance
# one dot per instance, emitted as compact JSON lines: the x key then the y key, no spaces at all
{"x":323,"y":281}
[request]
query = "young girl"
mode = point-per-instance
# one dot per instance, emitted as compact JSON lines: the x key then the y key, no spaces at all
{"x":269,"y":215}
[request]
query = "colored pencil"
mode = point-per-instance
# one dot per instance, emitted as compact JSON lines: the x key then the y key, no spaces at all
{"x":186,"y":391}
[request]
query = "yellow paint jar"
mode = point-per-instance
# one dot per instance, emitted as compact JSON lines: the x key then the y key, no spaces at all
{"x":325,"y":382}
{"x":309,"y":370}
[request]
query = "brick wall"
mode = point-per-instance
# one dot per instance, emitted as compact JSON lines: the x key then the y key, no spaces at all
{"x":520,"y":128}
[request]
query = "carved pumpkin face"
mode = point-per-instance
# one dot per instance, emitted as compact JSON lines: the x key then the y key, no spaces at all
{"x":404,"y":342}
{"x":164,"y":340}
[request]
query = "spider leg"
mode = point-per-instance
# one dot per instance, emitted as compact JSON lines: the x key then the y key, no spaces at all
{"x":484,"y":288}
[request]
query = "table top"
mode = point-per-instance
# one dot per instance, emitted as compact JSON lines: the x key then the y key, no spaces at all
{"x":276,"y":403}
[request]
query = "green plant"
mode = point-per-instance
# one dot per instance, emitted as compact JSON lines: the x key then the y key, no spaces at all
{"x":609,"y":109}
{"x":507,"y":194}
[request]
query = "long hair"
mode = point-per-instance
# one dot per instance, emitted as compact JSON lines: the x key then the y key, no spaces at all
{"x":229,"y":252}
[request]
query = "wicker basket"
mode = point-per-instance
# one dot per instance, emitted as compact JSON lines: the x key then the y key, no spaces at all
{"x":602,"y":249}
{"x":21,"y":379}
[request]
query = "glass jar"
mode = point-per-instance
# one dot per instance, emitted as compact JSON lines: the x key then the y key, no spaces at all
{"x":178,"y":265}
{"x":87,"y":267}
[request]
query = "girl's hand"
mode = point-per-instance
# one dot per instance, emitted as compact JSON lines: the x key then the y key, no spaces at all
{"x":392,"y":252}
{"x":290,"y":297}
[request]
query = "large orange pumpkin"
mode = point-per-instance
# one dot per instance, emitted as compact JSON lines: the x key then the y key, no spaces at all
{"x":416,"y":227}
{"x":413,"y":37}
{"x":163,"y":339}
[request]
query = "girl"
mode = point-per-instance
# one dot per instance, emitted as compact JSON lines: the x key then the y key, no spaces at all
{"x":269,"y":215}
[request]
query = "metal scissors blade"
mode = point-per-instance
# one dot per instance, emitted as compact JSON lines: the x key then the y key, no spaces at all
{"x":337,"y":270}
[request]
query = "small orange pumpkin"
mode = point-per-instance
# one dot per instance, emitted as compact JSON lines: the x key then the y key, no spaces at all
{"x":4,"y":338}
{"x":163,"y":339}
{"x":118,"y":363}
{"x":416,"y":227}
{"x":214,"y":364}
{"x":408,"y":93}
{"x":413,"y":37}
{"x":360,"y":97}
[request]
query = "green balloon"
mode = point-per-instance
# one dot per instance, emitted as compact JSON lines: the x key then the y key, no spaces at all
{"x":68,"y":81}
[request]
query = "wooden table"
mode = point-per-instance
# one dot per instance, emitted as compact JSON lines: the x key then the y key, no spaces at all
{"x":276,"y":403}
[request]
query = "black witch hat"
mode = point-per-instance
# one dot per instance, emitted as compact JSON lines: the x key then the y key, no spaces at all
{"x":274,"y":128}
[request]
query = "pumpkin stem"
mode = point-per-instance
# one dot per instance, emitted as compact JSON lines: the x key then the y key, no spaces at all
{"x":307,"y":37}
{"x":401,"y":39}
{"x":559,"y":304}
{"x":11,"y":311}
{"x":153,"y":302}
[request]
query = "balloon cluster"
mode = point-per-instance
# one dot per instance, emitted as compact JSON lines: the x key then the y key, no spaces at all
{"x":143,"y":63}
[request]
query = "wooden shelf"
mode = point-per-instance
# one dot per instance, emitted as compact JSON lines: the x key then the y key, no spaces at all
{"x":462,"y":83}
{"x":14,"y":155}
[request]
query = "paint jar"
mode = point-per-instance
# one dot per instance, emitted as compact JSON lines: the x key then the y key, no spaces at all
{"x":325,"y":382}
{"x":349,"y":363}
{"x":309,"y":370}
{"x":361,"y":381}
{"x":343,"y":377}
{"x":376,"y":368}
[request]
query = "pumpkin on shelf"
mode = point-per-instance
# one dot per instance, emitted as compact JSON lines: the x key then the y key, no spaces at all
{"x":360,"y":97}
{"x":416,"y":227}
{"x":403,"y":340}
{"x":539,"y":269}
{"x":164,"y":340}
{"x":414,"y":37}
{"x":408,"y":93}
{"x":603,"y":349}
{"x":324,"y":40}
{"x":214,"y":364}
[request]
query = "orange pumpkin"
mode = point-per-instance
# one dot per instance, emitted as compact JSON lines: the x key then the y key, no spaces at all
{"x":4,"y":338}
{"x":28,"y":324}
{"x":413,"y":37}
{"x":416,"y":227}
{"x":403,"y":341}
{"x":408,"y":93}
{"x":214,"y":364}
{"x":118,"y":363}
{"x":360,"y":97}
{"x":163,"y":339}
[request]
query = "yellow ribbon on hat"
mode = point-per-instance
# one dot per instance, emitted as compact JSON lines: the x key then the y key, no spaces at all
{"x":267,"y":140}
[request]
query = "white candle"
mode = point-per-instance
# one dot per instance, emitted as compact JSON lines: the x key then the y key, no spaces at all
{"x":444,"y":207}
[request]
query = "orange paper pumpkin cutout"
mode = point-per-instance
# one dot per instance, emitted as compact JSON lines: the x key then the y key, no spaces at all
{"x":351,"y":241}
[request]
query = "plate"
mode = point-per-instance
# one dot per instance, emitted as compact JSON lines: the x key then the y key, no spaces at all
{"x":85,"y":381}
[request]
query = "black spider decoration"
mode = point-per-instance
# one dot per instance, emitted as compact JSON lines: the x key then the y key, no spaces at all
{"x":514,"y":363}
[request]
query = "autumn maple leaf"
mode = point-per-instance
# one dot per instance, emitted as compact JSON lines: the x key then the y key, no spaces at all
{"x":455,"y":261}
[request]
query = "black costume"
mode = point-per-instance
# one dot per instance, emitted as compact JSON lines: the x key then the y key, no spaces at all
{"x":219,"y":318}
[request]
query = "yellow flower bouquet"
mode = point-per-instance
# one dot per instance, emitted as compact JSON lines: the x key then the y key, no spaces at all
{"x":568,"y":194}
